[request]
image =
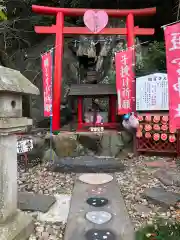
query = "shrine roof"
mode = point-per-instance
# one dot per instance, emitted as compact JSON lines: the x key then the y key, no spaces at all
{"x":13,"y":81}
{"x":92,"y":89}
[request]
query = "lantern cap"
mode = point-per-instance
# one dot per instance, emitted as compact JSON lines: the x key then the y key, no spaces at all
{"x":13,"y":81}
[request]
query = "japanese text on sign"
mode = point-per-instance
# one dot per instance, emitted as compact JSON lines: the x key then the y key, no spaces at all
{"x":124,"y":77}
{"x":172,"y":37}
{"x":47,"y":82}
{"x":152,"y":92}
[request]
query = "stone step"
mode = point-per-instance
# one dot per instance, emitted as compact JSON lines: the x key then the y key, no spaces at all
{"x":35,"y":202}
{"x":162,"y":197}
{"x":79,"y":225}
{"x":86,"y":164}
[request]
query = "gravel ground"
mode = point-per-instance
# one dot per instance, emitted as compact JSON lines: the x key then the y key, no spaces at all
{"x":132,"y":183}
{"x":39,"y":180}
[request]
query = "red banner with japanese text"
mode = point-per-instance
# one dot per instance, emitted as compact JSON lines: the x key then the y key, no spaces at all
{"x":124,"y":81}
{"x":172,"y":39}
{"x":47,"y":75}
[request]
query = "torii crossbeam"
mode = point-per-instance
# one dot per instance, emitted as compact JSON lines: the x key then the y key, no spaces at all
{"x":131,"y":31}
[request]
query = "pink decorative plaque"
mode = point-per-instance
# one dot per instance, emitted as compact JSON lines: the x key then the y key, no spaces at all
{"x":95,"y":21}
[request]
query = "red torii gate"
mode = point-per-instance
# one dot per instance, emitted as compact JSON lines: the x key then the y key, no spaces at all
{"x":131,"y":31}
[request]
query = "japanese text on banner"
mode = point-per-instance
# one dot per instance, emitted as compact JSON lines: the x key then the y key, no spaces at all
{"x":172,"y":38}
{"x":124,"y":77}
{"x":47,"y":61}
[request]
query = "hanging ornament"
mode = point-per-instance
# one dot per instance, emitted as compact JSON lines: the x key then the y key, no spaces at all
{"x":164,"y":127}
{"x":126,"y":116}
{"x":148,"y":135}
{"x":172,"y":138}
{"x":99,"y":63}
{"x":156,"y":137}
{"x":126,"y":125}
{"x":148,"y":118}
{"x":141,"y":127}
{"x":140,"y":118}
{"x":164,"y":136}
{"x":95,"y":21}
{"x":131,"y":124}
{"x":156,"y":119}
{"x":105,"y":49}
{"x":164,"y":119}
{"x":172,"y":130}
{"x":139,"y":134}
{"x":156,"y":127}
{"x":147,"y":127}
{"x":80,"y":51}
{"x":91,"y":51}
{"x":133,"y":121}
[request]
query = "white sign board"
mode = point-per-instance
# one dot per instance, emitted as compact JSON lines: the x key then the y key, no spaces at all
{"x":152,"y":92}
{"x":96,"y":129}
{"x":25,"y":145}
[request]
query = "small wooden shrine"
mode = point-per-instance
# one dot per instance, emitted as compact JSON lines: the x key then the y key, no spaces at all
{"x":89,"y":120}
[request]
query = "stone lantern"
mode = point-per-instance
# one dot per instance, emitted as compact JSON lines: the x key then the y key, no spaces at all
{"x":14,"y":224}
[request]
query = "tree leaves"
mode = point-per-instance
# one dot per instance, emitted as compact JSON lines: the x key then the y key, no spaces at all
{"x":160,"y":230}
{"x":155,"y":59}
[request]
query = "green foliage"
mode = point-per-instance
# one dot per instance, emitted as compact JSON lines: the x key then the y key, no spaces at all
{"x":3,"y":15}
{"x":160,"y":230}
{"x":42,"y":20}
{"x":67,"y":3}
{"x":55,"y":3}
{"x":45,"y":2}
{"x":112,"y":77}
{"x":155,"y":59}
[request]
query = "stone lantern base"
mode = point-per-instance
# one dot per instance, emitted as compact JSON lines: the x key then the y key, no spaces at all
{"x":17,"y":227}
{"x":14,"y":224}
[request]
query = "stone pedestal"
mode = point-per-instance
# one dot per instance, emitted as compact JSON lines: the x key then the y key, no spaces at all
{"x":14,"y":225}
{"x":17,"y":227}
{"x":8,"y":176}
